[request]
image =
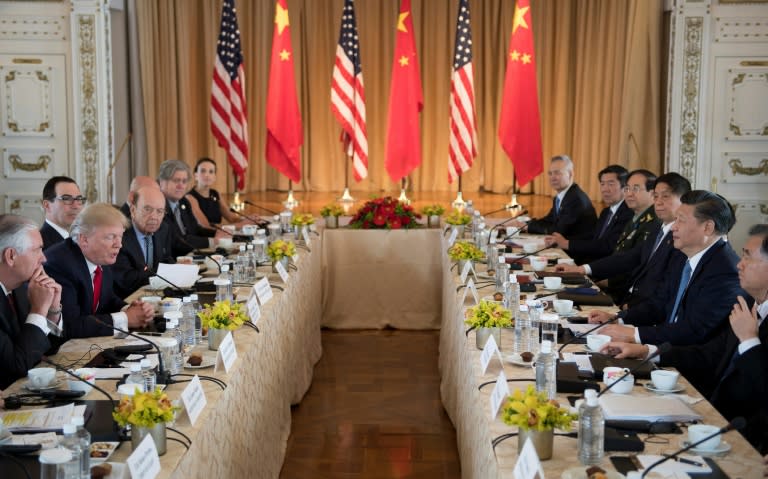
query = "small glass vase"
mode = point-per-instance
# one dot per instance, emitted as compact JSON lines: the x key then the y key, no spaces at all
{"x":331,"y":222}
{"x":542,"y":441}
{"x":482,"y":335}
{"x":215,"y":337}
{"x":284,"y":260}
{"x":459,"y":230}
{"x":138,"y":433}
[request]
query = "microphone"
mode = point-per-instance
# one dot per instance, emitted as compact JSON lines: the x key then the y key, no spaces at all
{"x":587,"y":332}
{"x":737,"y":423}
{"x":163,"y":376}
{"x":92,"y":384}
{"x":178,"y":288}
{"x":258,"y":221}
{"x":272,"y":212}
{"x":505,"y":208}
{"x":519,"y":230}
{"x":217,"y":227}
{"x":662,"y":348}
{"x":505,"y":222}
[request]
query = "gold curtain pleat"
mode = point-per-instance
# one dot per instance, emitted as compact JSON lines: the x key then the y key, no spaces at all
{"x":599,"y":64}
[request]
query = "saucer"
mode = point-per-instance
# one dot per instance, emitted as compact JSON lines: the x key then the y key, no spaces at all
{"x":54,"y":385}
{"x":721,"y":449}
{"x":676,"y":389}
{"x":515,"y":359}
{"x":571,"y":314}
{"x":209,"y":360}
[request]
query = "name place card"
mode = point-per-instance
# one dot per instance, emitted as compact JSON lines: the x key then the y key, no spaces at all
{"x":473,"y":290}
{"x":263,"y":290}
{"x":281,"y":271}
{"x":489,"y":351}
{"x":227,"y":353}
{"x":499,"y":394}
{"x":144,"y":463}
{"x":528,"y":465}
{"x":193,"y":398}
{"x":305,"y":235}
{"x":465,"y":271}
{"x":453,"y":236}
{"x":254,"y":312}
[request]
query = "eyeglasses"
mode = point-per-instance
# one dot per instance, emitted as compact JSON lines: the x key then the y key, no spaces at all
{"x":69,"y":199}
{"x":634,"y":189}
{"x":148,"y":210}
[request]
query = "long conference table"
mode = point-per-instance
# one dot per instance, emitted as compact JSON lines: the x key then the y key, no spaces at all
{"x":361,"y":279}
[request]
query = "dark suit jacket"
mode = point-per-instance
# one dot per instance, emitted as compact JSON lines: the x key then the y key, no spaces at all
{"x":743,"y":390}
{"x":652,"y":270}
{"x":635,"y":234}
{"x":586,"y":250}
{"x":66,"y":264}
{"x":576,"y":219}
{"x":21,"y":345}
{"x":196,"y":236}
{"x":125,"y":209}
{"x":50,"y":236}
{"x":130,"y":269}
{"x":704,"y":308}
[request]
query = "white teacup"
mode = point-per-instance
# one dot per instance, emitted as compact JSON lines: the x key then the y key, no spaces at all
{"x":126,"y":390}
{"x":250,"y":230}
{"x":563,"y":306}
{"x":211,"y":263}
{"x":664,"y":380}
{"x":229,"y":228}
{"x":597,"y":341}
{"x":87,"y":374}
{"x":553,"y":282}
{"x":41,"y":377}
{"x":531,"y":247}
{"x":184,"y":260}
{"x":538,"y":263}
{"x":566,"y":261}
{"x":697,"y":432}
{"x":170,"y":304}
{"x":612,"y":374}
{"x":225,"y":242}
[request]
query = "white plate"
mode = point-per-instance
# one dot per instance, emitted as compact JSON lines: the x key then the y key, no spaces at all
{"x":580,"y":472}
{"x":54,"y":385}
{"x":209,"y":360}
{"x":676,"y":389}
{"x":721,"y":449}
{"x":100,"y":451}
{"x":515,"y":359}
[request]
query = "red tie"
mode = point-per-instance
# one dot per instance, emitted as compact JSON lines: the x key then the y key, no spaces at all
{"x":96,"y":287}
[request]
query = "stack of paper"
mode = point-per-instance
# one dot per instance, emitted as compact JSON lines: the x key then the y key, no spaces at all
{"x":646,"y":408}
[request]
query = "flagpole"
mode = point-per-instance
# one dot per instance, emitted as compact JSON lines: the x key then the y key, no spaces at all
{"x":346,"y":197}
{"x":403,"y":197}
{"x":459,"y":202}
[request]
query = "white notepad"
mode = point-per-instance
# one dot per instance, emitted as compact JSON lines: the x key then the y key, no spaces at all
{"x":646,"y":408}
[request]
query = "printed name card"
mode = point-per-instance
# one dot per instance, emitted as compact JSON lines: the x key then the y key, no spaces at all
{"x":528,"y":465}
{"x":193,"y":398}
{"x":499,"y":394}
{"x":465,"y":271}
{"x":305,"y":235}
{"x":227,"y":353}
{"x":144,"y":463}
{"x":263,"y":290}
{"x":281,"y":271}
{"x":489,"y":350}
{"x":453,"y":236}
{"x":473,"y":290}
{"x":254,"y":312}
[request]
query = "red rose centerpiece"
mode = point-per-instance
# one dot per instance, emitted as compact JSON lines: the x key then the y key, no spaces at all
{"x":385,"y":213}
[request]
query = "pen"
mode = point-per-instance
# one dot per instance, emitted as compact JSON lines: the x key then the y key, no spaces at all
{"x":688,"y":461}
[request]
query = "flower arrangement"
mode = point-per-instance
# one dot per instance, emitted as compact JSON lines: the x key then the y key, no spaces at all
{"x":385,"y":213}
{"x":280,"y":249}
{"x":488,"y":314}
{"x":532,"y":410}
{"x":331,"y":209}
{"x":433,"y":210}
{"x":144,"y":409}
{"x":223,"y":315}
{"x":465,"y":250}
{"x":302,"y":219}
{"x":457,"y":218}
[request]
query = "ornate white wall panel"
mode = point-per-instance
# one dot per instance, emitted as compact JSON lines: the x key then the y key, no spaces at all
{"x":26,"y":91}
{"x":33,"y":27}
{"x":741,"y":29}
{"x":28,"y":163}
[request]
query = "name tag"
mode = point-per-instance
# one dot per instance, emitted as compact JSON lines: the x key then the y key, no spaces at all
{"x":305,"y":235}
{"x":489,"y":350}
{"x":193,"y":398}
{"x":227,"y":353}
{"x":263,"y":290}
{"x":144,"y":463}
{"x":453,"y":236}
{"x":281,"y":271}
{"x":254,"y":312}
{"x":473,"y":290}
{"x":499,"y":394}
{"x":465,"y":271}
{"x":528,"y":465}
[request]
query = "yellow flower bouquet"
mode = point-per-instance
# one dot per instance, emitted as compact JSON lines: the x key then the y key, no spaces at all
{"x":331,"y":209}
{"x":457,"y":218}
{"x":280,"y":249}
{"x":433,"y":210}
{"x":144,"y":409}
{"x":223,"y":315}
{"x":303,"y":219}
{"x":531,"y":410}
{"x":488,"y":314}
{"x":465,"y":250}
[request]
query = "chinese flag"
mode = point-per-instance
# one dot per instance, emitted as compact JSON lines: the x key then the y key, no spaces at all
{"x":519,"y":125}
{"x":284,"y":132}
{"x":403,"y":150}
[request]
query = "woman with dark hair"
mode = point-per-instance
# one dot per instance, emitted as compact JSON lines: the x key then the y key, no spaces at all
{"x":206,"y":202}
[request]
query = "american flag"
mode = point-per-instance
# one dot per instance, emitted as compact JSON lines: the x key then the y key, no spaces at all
{"x":229,"y":122}
{"x":463,"y":139}
{"x":348,"y":92}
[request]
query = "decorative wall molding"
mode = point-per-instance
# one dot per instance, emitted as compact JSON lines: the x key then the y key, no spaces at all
{"x":25,"y":205}
{"x":33,"y":27}
{"x":89,"y":109}
{"x":748,"y":92}
{"x":26,"y":91}
{"x":24,"y":163}
{"x":691,"y":79}
{"x":741,"y":29}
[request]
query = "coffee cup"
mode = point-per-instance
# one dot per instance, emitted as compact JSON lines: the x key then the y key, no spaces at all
{"x":612,"y":374}
{"x":41,"y":377}
{"x":86,"y":374}
{"x":214,"y":261}
{"x":566,"y":261}
{"x":553,"y":282}
{"x":184,"y":260}
{"x":538,"y":263}
{"x":229,"y":228}
{"x":597,"y":341}
{"x":563,"y":306}
{"x":531,"y":247}
{"x":170,"y":304}
{"x":225,"y":243}
{"x":664,"y":380}
{"x":250,"y":230}
{"x":697,"y":432}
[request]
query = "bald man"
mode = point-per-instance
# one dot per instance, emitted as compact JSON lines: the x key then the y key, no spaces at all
{"x":136,"y":184}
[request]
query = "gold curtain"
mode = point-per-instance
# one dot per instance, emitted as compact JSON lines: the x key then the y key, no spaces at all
{"x":599,"y":64}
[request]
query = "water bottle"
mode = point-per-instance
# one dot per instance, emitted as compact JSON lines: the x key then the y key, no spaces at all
{"x":475,"y":224}
{"x":501,"y":276}
{"x":546,"y":371}
{"x":481,"y":236}
{"x":172,"y":357}
{"x":491,"y":256}
{"x":260,"y":247}
{"x":591,"y":429}
{"x":187,"y":324}
{"x":178,"y":352}
{"x":535,"y":310}
{"x":135,"y":377}
{"x":225,"y":275}
{"x":469,"y":209}
{"x":85,"y":445}
{"x":241,"y":265}
{"x":253,"y":262}
{"x":71,"y":443}
{"x":512,"y":296}
{"x":222,"y":289}
{"x":196,"y":308}
{"x":148,"y":373}
{"x":54,"y":463}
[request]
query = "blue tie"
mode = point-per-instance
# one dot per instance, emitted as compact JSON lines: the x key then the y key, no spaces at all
{"x":557,"y":205}
{"x":684,"y":279}
{"x":605,"y":225}
{"x":659,"y":237}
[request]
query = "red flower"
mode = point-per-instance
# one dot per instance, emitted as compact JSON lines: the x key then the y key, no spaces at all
{"x":387,"y":210}
{"x":379,"y":220}
{"x":406,"y":220}
{"x":395,"y":224}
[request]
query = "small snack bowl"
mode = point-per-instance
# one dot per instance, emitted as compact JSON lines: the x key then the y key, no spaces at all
{"x":87,"y":374}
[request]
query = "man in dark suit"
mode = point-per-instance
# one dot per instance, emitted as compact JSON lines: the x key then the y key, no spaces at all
{"x":62,"y":201}
{"x":30,"y":303}
{"x":146,"y":243}
{"x":648,"y":263}
{"x":137,"y":183}
{"x":610,"y":223}
{"x":186,"y":232}
{"x":82,"y":265}
{"x":572,"y":214}
{"x":693,"y":303}
{"x":732,"y":368}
